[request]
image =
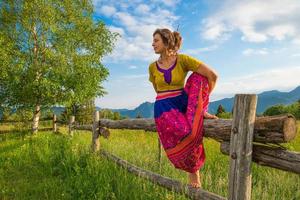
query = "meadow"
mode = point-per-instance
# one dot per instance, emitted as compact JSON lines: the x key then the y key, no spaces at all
{"x":55,"y":166}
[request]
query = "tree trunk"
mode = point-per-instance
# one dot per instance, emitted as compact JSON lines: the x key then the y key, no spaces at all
{"x":36,"y":118}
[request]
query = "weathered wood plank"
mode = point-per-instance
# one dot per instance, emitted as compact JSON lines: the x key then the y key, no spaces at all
{"x":166,"y":182}
{"x":87,"y":127}
{"x":95,"y":137}
{"x":71,"y":122}
{"x":54,"y":124}
{"x":241,"y":147}
{"x":275,"y":157}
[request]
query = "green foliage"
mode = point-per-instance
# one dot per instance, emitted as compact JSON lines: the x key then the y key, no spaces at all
{"x":293,"y":109}
{"x":85,"y":112}
{"x":23,"y":115}
{"x":220,"y":110}
{"x":275,"y":110}
{"x":47,"y":113}
{"x":221,"y":113}
{"x":5,"y":113}
{"x":51,"y":52}
{"x":108,"y":114}
{"x":117,"y":116}
{"x":225,"y":115}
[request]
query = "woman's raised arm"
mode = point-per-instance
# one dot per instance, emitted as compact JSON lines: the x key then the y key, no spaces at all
{"x":211,"y":75}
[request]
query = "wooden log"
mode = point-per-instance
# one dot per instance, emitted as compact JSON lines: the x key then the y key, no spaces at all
{"x":275,"y":129}
{"x":54,"y":124}
{"x":95,"y":137}
{"x":241,"y":147}
{"x":275,"y":157}
{"x":279,"y":128}
{"x":71,"y":123}
{"x":166,"y":182}
{"x":87,"y":127}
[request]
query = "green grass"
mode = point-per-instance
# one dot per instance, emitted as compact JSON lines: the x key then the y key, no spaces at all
{"x":49,"y":166}
{"x":267,"y":183}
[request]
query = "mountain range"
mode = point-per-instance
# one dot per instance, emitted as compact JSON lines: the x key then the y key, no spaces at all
{"x":264,"y":100}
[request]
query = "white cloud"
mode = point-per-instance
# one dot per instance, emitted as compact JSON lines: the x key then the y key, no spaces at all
{"x":136,"y":22}
{"x":201,"y":50}
{"x":296,"y":41}
{"x":142,"y":9}
{"x":126,"y":19}
{"x":108,"y":11}
{"x":249,"y":52}
{"x":116,"y":30}
{"x":282,"y":79}
{"x":258,"y":21}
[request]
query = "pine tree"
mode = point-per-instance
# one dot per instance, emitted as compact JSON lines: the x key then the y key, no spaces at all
{"x":220,"y":110}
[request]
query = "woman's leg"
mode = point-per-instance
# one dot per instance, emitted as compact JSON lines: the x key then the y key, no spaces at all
{"x":196,"y":83}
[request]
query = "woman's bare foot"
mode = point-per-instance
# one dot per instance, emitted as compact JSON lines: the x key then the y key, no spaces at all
{"x":194,"y":179}
{"x":210,"y":116}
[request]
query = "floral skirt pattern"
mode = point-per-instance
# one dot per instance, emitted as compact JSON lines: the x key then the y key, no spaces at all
{"x":179,"y":123}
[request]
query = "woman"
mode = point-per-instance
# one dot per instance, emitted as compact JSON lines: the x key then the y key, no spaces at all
{"x":178,"y":110}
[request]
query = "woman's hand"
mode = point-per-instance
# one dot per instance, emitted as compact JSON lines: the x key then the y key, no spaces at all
{"x":210,"y":116}
{"x":211,"y":75}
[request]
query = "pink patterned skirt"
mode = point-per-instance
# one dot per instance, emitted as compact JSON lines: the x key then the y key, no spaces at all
{"x":179,"y":123}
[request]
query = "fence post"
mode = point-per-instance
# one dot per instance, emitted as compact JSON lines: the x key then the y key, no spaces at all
{"x":71,"y":123}
{"x":241,"y":146}
{"x":95,"y":137}
{"x":54,"y":124}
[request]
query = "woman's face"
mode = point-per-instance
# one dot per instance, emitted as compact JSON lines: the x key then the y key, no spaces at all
{"x":158,"y":44}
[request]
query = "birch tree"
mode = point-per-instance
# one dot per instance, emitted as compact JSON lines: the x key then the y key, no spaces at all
{"x":51,"y":53}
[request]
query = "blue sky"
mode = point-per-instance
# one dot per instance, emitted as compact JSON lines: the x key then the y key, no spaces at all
{"x":253,"y":45}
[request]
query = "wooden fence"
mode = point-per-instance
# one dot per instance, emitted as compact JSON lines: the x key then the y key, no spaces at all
{"x":53,"y":128}
{"x":245,"y":138}
{"x":236,"y":136}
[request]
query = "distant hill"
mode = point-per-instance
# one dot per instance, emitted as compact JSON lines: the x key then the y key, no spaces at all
{"x":265,"y":100}
{"x":146,"y":110}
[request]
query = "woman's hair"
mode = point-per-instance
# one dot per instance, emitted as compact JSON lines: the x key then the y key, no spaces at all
{"x":172,"y":40}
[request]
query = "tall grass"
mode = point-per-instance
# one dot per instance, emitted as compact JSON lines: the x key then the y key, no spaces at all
{"x":49,"y":166}
{"x":141,"y":149}
{"x":56,"y":167}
